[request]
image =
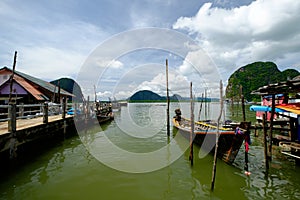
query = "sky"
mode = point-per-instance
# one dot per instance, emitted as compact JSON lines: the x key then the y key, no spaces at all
{"x":56,"y":39}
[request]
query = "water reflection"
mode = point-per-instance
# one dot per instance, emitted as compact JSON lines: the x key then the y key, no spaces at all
{"x":69,"y":171}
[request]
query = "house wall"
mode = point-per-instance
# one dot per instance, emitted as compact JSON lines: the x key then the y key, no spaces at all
{"x":17,"y":89}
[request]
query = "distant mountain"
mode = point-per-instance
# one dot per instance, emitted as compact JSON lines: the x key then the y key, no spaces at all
{"x":70,"y":86}
{"x":255,"y":75}
{"x":146,"y":95}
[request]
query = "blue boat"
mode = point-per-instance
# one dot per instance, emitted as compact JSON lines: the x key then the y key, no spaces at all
{"x":258,"y":108}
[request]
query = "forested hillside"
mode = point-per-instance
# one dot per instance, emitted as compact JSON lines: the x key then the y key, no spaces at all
{"x":253,"y":76}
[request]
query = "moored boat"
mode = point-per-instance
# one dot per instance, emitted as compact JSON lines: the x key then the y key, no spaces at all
{"x":104,"y":112}
{"x":205,"y":133}
{"x":105,"y":117}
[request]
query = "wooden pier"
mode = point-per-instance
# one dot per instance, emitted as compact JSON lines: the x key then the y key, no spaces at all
{"x":23,"y":124}
{"x":18,"y":130}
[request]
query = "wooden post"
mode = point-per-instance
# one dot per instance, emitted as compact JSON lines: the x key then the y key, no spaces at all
{"x":265,"y":141}
{"x":243,"y":103}
{"x":45,"y":113}
{"x":58,"y":95}
{"x":12,"y":122}
{"x":88,"y":107}
{"x":232,"y":106}
{"x":11,"y":78}
{"x":21,"y":110}
{"x":95,"y":93}
{"x":271,"y":125}
{"x":205,"y":104}
{"x":65,"y":128}
{"x":200,"y":109}
{"x":64,"y":107}
{"x":214,"y":171}
{"x":168,"y":99}
{"x":191,"y":157}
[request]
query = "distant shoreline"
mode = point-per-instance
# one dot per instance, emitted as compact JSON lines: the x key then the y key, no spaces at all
{"x":165,"y":101}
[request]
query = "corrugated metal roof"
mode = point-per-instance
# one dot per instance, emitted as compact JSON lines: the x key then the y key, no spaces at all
{"x":279,"y":88}
{"x":48,"y":86}
{"x":44,"y":84}
{"x":28,"y":87}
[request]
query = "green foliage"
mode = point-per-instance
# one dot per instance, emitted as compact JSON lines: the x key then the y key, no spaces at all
{"x":252,"y":76}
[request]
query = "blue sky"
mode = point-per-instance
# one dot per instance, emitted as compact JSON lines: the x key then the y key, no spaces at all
{"x":55,"y":38}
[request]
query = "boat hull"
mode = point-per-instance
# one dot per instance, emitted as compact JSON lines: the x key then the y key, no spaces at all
{"x":104,"y":118}
{"x":229,"y":142}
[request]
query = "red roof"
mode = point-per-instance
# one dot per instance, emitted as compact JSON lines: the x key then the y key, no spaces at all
{"x":29,"y":88}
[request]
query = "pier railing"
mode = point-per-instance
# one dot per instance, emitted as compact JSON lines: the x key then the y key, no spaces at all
{"x":13,"y":112}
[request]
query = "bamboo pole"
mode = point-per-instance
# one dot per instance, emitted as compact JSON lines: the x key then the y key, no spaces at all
{"x":58,"y":95}
{"x":200,"y":109}
{"x":243,"y":103}
{"x":191,"y":157}
{"x":205,"y":103}
{"x":11,"y":78}
{"x":214,"y":171}
{"x":95,"y":93}
{"x":168,"y":99}
{"x":13,"y":109}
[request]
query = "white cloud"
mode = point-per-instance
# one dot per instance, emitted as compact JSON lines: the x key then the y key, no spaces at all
{"x":48,"y":47}
{"x":263,"y":30}
{"x":104,"y":96}
{"x":115,"y":64}
{"x":178,"y":84}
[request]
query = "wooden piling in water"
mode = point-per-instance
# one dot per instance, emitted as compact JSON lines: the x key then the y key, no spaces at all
{"x":45,"y":113}
{"x":12,"y":122}
{"x":243,"y":108}
{"x":168,"y":99}
{"x":271,"y":125}
{"x":64,"y":107}
{"x":191,"y":157}
{"x":205,"y":103}
{"x":200,"y":109}
{"x":214,"y":171}
{"x":11,"y":78}
{"x":265,"y":141}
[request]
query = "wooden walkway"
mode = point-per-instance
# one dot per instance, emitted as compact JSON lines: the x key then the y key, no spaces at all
{"x":29,"y":123}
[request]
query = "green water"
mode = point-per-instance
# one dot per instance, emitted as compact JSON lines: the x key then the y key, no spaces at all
{"x":68,"y":170}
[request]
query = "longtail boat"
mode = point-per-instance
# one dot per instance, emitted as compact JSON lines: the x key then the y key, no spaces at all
{"x":104,"y":112}
{"x":229,"y":141}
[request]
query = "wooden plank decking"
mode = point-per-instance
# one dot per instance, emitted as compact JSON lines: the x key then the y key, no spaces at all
{"x":29,"y":123}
